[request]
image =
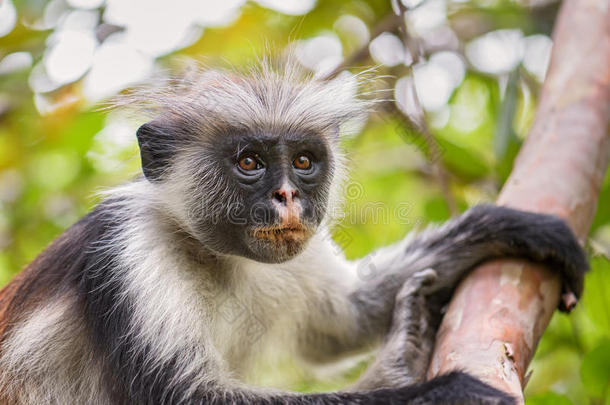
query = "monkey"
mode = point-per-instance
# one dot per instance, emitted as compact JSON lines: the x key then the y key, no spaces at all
{"x":177,"y":283}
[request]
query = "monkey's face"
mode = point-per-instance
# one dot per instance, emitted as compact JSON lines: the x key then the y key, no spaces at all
{"x":244,"y":161}
{"x":265,"y":193}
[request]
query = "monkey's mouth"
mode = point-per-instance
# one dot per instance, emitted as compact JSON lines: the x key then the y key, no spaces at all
{"x":283,"y":233}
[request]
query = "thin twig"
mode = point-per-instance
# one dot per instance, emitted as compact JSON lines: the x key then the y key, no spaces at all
{"x":410,"y":44}
{"x":434,"y":151}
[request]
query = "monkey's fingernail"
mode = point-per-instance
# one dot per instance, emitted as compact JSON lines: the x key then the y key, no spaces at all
{"x":569,"y":300}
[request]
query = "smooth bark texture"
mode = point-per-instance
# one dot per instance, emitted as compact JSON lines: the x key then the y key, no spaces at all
{"x":500,"y":311}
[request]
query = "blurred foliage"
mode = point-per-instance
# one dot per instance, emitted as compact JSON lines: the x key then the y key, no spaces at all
{"x":57,"y":149}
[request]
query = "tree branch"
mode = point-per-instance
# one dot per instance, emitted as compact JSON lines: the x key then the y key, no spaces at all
{"x":500,"y":311}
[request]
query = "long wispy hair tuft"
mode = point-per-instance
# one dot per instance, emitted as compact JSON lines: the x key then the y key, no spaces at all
{"x":272,"y":94}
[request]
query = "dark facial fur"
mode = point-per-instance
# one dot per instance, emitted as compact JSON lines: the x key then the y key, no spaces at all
{"x":255,"y":220}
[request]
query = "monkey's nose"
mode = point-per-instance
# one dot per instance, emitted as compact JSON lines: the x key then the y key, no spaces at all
{"x":285,"y":195}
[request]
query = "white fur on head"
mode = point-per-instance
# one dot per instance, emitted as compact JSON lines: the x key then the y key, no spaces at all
{"x":271,"y":95}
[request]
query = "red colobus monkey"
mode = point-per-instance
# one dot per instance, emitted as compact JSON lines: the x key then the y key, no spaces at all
{"x":126,"y":306}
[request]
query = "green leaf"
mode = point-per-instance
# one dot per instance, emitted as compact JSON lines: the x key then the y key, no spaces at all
{"x":595,"y":370}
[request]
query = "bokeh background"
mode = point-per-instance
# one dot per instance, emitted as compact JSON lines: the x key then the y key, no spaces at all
{"x":465,"y":88}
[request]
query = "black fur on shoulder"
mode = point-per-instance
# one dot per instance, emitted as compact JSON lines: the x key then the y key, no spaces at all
{"x":60,"y":266}
{"x":130,"y":375}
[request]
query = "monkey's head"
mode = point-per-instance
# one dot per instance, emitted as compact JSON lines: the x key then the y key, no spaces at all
{"x":247,"y":164}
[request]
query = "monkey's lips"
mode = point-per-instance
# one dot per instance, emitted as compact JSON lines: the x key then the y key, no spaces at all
{"x":283,"y":233}
{"x":278,"y":243}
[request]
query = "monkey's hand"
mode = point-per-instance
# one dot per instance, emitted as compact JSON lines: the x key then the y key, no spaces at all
{"x":404,"y":356}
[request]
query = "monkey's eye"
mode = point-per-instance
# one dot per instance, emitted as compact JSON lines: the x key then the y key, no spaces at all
{"x":249,"y":163}
{"x":302,"y":162}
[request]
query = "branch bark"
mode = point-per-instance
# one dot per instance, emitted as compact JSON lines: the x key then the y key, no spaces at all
{"x":499,"y":312}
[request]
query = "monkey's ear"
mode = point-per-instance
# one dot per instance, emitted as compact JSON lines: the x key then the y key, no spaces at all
{"x":156,"y":147}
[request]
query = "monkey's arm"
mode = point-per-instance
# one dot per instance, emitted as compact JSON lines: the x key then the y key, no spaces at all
{"x":482,"y":233}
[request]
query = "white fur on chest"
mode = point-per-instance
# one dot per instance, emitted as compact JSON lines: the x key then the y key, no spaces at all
{"x":259,"y":318}
{"x":241,"y":312}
